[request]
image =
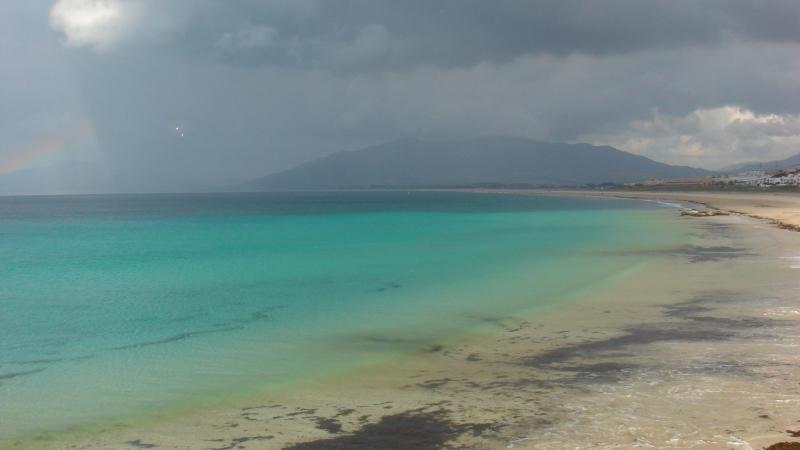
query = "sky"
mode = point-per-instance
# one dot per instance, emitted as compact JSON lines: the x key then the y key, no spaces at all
{"x":186,"y":95}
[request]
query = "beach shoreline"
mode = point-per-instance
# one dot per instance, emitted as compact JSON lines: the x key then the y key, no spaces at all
{"x":781,"y":208}
{"x":675,"y":355}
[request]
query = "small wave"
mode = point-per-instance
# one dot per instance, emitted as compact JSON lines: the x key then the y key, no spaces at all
{"x":782,"y":311}
{"x":794,"y":261}
{"x":666,"y":203}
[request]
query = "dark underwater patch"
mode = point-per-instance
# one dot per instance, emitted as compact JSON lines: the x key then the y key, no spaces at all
{"x":408,"y":430}
{"x":175,"y":338}
{"x":710,"y":254}
{"x":139,"y":444}
{"x":633,"y":336}
{"x":694,"y":253}
{"x":389,"y":285}
{"x":10,"y":375}
{"x":329,"y":424}
{"x":237,"y":442}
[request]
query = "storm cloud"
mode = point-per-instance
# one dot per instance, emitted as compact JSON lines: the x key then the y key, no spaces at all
{"x":200,"y":94}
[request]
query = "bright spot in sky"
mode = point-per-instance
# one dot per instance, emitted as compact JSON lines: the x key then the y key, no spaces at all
{"x":94,"y":23}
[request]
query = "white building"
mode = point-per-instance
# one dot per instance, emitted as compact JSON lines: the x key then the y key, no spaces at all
{"x":750,"y":178}
{"x":781,"y":179}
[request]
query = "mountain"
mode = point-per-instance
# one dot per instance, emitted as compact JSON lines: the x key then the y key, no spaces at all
{"x":792,"y":161}
{"x":483,"y":161}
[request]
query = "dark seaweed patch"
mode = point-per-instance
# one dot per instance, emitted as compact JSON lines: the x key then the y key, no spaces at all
{"x":10,"y":375}
{"x":633,"y":336}
{"x":434,"y":384}
{"x":344,"y":412}
{"x":737,"y":368}
{"x":408,"y":430}
{"x":717,"y":229}
{"x":387,"y":286}
{"x":138,"y":443}
{"x":693,"y":252}
{"x":49,"y":360}
{"x":175,"y":338}
{"x":692,"y":311}
{"x":696,"y":325}
{"x":302,"y":412}
{"x":329,"y":424}
{"x":263,"y":313}
{"x":709,"y":254}
{"x":237,"y":442}
{"x":741,"y":323}
{"x":685,"y":310}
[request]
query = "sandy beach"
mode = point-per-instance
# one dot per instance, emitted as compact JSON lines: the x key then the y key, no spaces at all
{"x":782,"y":208}
{"x":697,"y":348}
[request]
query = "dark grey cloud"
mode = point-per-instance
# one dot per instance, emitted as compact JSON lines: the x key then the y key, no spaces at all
{"x":397,"y":35}
{"x":257,"y":86}
{"x":369,"y":35}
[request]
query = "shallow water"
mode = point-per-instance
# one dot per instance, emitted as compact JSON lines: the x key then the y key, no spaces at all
{"x":113,"y":306}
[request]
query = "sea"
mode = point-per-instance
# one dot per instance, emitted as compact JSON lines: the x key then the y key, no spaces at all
{"x":114,"y":307}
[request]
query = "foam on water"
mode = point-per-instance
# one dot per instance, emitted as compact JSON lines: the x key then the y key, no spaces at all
{"x":794,"y":261}
{"x":669,"y":204}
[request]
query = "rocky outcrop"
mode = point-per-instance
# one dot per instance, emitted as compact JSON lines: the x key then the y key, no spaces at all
{"x":784,"y":446}
{"x":703,"y":212}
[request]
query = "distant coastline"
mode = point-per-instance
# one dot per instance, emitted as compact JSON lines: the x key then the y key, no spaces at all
{"x":782,"y":209}
{"x":779,"y":208}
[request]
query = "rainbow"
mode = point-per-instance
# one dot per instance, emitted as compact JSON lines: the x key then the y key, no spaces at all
{"x":48,"y":149}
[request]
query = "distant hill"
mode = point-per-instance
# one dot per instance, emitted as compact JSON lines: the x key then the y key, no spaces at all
{"x":483,"y":161}
{"x":792,"y":161}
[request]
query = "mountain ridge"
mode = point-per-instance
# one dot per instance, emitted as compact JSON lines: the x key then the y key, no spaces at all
{"x":791,"y":161}
{"x":492,"y":160}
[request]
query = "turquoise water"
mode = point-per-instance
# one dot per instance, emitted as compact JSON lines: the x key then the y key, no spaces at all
{"x":119,"y":305}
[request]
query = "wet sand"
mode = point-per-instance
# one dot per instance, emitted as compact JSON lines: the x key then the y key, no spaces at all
{"x":697,"y":348}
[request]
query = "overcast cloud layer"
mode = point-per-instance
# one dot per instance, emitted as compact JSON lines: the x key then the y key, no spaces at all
{"x":196,"y":94}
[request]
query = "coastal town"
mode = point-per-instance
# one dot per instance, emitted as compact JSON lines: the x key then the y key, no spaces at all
{"x":759,"y":179}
